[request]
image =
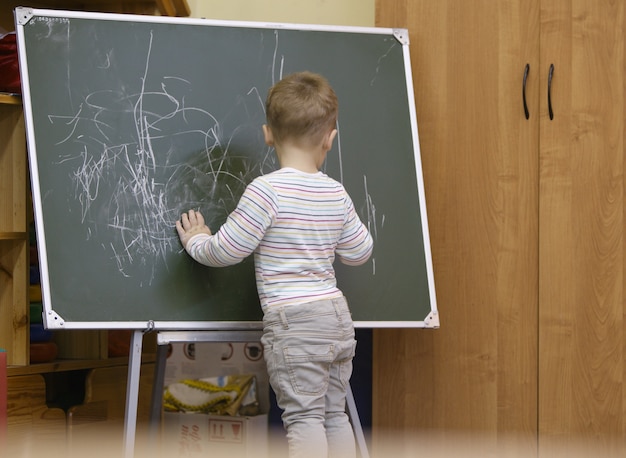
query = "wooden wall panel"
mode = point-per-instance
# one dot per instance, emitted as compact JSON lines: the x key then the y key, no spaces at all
{"x":476,"y":376}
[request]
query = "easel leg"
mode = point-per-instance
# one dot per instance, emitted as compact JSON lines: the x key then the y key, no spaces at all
{"x":356,"y":424}
{"x":132,"y":393}
{"x":157,"y":391}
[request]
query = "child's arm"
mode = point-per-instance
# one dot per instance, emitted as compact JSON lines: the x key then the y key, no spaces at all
{"x":355,"y":245}
{"x":239,"y":235}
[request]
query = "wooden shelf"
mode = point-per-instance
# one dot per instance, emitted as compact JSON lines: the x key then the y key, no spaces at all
{"x":74,"y":365}
{"x":12,"y":235}
{"x":10,"y":99}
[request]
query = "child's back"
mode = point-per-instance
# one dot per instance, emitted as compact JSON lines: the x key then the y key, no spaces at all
{"x":295,"y":221}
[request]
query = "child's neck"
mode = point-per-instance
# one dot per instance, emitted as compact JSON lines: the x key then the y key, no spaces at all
{"x":305,"y":160}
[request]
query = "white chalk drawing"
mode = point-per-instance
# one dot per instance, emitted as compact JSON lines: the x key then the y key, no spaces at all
{"x":146,"y":190}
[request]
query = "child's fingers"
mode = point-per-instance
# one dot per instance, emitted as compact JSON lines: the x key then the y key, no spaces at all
{"x":193,"y":219}
{"x":199,"y":218}
{"x":179,"y":229}
{"x":183,"y":234}
{"x":184,"y":219}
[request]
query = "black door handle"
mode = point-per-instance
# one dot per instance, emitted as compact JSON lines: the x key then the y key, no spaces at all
{"x":526,"y":70}
{"x":550,"y":72}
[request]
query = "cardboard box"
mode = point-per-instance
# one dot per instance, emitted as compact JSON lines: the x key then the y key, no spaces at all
{"x":198,"y":360}
{"x":199,"y":435}
{"x":202,"y":435}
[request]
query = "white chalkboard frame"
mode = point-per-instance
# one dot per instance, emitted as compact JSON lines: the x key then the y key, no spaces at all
{"x":54,"y":318}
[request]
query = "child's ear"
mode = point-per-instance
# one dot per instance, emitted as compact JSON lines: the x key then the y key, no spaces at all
{"x":267,"y":133}
{"x":329,"y":139}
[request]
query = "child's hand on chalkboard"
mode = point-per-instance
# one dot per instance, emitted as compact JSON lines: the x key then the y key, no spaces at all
{"x":190,"y":224}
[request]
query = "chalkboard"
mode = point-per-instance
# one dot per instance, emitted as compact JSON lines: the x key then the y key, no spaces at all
{"x":132,"y":120}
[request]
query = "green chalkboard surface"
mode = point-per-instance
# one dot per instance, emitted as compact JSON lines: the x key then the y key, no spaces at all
{"x":132,"y":120}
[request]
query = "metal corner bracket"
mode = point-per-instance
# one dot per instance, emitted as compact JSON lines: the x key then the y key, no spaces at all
{"x":54,"y":320}
{"x":23,"y":15}
{"x":402,"y":35}
{"x":432,"y":320}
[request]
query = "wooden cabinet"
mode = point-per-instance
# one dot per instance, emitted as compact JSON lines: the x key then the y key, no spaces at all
{"x":14,"y":323}
{"x":527,"y":229}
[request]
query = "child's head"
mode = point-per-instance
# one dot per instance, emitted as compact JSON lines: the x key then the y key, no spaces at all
{"x":302,"y":108}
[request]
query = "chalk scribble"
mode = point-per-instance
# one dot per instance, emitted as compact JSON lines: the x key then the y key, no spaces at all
{"x":147,"y":190}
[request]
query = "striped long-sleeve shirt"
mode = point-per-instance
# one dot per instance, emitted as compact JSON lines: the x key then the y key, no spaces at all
{"x":294,"y":223}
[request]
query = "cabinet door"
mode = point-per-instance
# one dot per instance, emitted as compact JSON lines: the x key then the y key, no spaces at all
{"x":581,"y":236}
{"x":477,"y":374}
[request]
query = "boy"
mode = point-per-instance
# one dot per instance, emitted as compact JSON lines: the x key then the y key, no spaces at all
{"x":295,"y":220}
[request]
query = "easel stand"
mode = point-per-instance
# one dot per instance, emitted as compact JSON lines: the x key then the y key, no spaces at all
{"x":164,"y":338}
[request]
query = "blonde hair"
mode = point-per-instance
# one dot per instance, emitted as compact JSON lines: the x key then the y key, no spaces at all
{"x":301,"y":107}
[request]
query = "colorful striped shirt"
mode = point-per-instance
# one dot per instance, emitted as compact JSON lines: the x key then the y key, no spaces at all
{"x":294,"y":223}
